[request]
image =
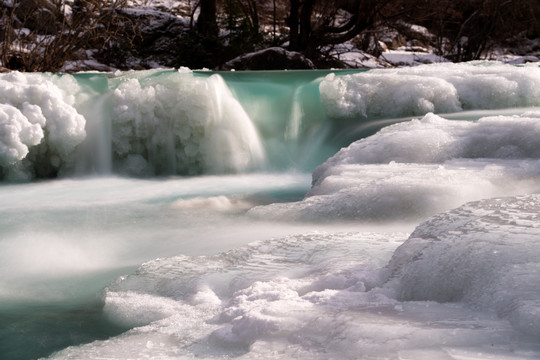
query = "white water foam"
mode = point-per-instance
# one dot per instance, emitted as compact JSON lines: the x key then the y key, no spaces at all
{"x":66,"y":239}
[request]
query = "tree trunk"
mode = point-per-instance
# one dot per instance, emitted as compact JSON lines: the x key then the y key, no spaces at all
{"x":207,"y":21}
{"x":254,"y":14}
{"x":292,"y":21}
{"x":305,"y":24}
{"x":274,"y":23}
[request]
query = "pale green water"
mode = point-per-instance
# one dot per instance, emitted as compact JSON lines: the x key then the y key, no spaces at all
{"x":63,"y":240}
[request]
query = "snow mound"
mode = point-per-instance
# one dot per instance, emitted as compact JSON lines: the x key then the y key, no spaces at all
{"x":484,"y":253}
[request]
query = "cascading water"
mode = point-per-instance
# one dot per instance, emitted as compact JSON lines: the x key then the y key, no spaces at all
{"x":179,"y":214}
{"x":167,"y":122}
{"x":159,"y":124}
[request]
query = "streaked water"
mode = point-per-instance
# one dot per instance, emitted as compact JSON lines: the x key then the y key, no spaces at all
{"x":177,"y":214}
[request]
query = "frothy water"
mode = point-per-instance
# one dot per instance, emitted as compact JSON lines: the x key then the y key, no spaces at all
{"x":78,"y":226}
{"x":387,"y":214}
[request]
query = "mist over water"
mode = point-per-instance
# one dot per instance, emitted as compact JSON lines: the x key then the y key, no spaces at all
{"x":387,"y":214}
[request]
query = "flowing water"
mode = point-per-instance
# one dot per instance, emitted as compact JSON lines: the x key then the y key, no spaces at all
{"x":382,"y":214}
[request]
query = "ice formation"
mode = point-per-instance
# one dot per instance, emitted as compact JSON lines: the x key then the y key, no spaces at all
{"x":40,"y":127}
{"x":447,"y":292}
{"x":440,"y":88}
{"x":420,"y":167}
{"x":155,"y":123}
{"x":163,"y":122}
{"x":182,"y":125}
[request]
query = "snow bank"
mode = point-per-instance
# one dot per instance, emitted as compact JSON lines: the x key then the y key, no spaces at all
{"x":39,"y":125}
{"x":430,"y":88}
{"x":484,"y":253}
{"x":418,"y":168}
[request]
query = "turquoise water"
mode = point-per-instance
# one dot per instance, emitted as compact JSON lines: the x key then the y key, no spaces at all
{"x":106,"y":172}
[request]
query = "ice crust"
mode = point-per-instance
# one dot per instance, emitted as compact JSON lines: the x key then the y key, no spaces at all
{"x":441,"y":88}
{"x":417,"y":168}
{"x":463,"y":285}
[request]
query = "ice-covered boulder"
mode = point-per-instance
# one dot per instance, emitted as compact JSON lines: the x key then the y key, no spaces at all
{"x":485,"y":253}
{"x":439,"y":88}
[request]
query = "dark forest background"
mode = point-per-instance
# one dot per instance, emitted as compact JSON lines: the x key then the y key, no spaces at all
{"x":44,"y":35}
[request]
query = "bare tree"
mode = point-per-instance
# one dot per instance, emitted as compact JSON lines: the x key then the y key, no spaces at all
{"x":315,"y":23}
{"x":467,"y":29}
{"x":249,"y":8}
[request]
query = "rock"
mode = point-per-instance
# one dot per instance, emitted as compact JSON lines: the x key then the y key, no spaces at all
{"x":274,"y":58}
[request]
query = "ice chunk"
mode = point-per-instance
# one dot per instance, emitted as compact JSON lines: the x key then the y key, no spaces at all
{"x":433,"y":139}
{"x":378,"y":95}
{"x":17,"y":134}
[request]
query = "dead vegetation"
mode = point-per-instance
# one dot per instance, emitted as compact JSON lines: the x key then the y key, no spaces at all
{"x":43,"y":35}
